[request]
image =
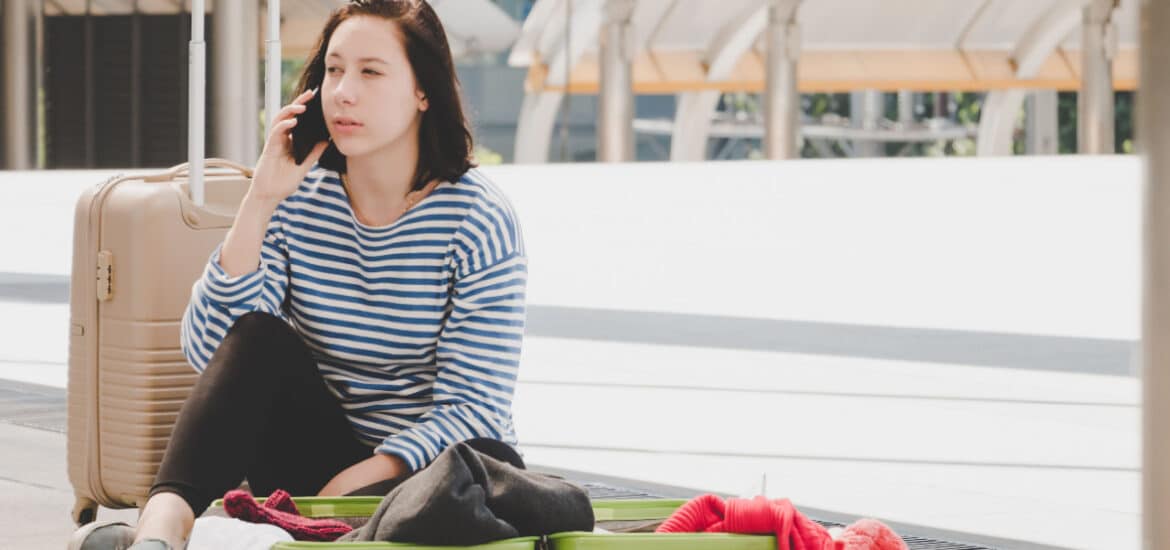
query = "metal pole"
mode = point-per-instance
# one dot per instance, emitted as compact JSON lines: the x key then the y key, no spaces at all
{"x":90,"y":123}
{"x":906,"y":107}
{"x":565,"y":103}
{"x":17,"y":103}
{"x":196,"y":117}
{"x":135,"y":86}
{"x":616,"y":104}
{"x":39,"y":122}
{"x":1153,"y":132}
{"x":867,"y":113}
{"x":781,"y":97}
{"x":1095,"y":100}
{"x":272,"y":64}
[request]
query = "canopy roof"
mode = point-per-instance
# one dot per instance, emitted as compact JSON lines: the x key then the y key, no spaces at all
{"x":473,"y":26}
{"x":688,"y":45}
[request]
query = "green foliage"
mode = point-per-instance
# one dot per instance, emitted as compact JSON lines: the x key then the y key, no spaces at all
{"x":290,"y":73}
{"x":487,"y":157}
{"x":1123,"y":127}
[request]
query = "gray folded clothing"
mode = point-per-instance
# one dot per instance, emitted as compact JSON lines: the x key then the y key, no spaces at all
{"x":466,"y":497}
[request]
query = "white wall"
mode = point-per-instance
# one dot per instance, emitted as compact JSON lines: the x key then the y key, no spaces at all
{"x":1046,"y":245}
{"x":1038,"y":245}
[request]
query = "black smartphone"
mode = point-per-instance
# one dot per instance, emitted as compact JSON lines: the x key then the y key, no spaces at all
{"x":310,"y":129}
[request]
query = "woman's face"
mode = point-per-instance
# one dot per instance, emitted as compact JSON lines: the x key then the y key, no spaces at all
{"x":369,"y":96}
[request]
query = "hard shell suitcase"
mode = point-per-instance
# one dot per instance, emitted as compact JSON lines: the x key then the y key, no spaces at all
{"x":139,"y":244}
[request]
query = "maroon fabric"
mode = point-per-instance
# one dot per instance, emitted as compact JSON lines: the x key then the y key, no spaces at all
{"x":281,"y":500}
{"x":240,"y":505}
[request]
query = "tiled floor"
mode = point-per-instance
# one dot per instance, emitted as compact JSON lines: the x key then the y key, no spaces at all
{"x":953,"y":381}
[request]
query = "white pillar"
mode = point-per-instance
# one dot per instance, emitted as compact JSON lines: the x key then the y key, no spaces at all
{"x":1153,"y":140}
{"x":781,"y":96}
{"x":615,"y":127}
{"x":867,"y":113}
{"x":18,"y":104}
{"x":1042,"y":135}
{"x":1095,"y":100}
{"x":40,"y":155}
{"x":236,"y":82}
{"x":906,"y":107}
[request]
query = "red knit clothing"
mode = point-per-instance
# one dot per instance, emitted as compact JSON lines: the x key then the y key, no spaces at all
{"x":281,"y":500}
{"x":241,"y":505}
{"x":710,"y":514}
{"x":794,"y":531}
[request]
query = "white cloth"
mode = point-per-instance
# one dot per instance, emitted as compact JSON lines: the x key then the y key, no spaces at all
{"x":216,"y":533}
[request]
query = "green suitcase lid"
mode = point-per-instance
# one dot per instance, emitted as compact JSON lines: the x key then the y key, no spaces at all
{"x":660,"y":541}
{"x":603,"y":510}
{"x":330,"y":507}
{"x":620,"y":510}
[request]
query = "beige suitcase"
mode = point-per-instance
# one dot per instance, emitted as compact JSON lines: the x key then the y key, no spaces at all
{"x":139,"y":244}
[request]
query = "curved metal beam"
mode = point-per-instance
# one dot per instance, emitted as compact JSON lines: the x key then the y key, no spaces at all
{"x":997,"y":122}
{"x":692,"y":121}
{"x":692,"y":125}
{"x":997,"y":118}
{"x":538,"y":113}
{"x":1044,"y":36}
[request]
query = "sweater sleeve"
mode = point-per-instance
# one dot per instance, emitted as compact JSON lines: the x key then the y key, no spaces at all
{"x":219,"y":300}
{"x":479,"y":345}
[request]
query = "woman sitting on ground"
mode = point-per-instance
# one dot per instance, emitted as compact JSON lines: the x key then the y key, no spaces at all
{"x":366,"y":309}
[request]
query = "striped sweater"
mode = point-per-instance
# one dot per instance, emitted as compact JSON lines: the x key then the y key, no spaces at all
{"x":416,"y":326}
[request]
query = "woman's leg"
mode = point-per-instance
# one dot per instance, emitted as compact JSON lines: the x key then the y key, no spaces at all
{"x":260,"y":410}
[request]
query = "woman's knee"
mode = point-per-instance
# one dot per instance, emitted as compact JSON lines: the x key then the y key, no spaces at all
{"x":264,"y":330}
{"x":258,"y":339}
{"x":259,"y":323}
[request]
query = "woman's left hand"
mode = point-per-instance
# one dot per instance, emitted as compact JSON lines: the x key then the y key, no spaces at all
{"x":377,"y":468}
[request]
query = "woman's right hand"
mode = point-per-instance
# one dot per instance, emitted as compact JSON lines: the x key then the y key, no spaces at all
{"x":277,"y":175}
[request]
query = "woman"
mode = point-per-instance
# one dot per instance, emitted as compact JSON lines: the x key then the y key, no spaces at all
{"x":366,"y":309}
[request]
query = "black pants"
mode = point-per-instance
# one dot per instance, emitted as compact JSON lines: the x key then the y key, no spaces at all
{"x":261,"y":411}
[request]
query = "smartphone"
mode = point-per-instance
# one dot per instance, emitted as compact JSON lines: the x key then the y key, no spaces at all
{"x":310,"y":129}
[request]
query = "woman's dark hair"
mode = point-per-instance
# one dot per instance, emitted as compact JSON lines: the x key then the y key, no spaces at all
{"x":444,"y":142}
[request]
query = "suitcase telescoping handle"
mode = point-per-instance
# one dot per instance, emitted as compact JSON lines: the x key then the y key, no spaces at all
{"x":196,"y":77}
{"x":196,"y":116}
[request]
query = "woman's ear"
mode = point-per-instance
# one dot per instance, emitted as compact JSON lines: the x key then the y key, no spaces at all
{"x":423,"y":104}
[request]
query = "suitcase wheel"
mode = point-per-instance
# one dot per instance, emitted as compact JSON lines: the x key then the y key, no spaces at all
{"x":84,"y":511}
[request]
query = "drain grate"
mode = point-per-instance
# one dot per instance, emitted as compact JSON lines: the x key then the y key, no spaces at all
{"x":33,"y":406}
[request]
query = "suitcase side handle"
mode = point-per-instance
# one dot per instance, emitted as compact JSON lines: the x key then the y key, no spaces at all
{"x":184,"y":169}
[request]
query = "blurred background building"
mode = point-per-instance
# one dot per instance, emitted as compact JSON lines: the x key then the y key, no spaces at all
{"x":102,"y":83}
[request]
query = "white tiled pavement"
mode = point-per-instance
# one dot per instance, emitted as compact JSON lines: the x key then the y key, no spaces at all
{"x":1032,"y":456}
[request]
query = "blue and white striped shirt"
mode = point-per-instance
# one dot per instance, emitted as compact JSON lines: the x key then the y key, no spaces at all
{"x":416,"y":326}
